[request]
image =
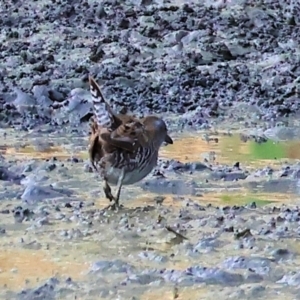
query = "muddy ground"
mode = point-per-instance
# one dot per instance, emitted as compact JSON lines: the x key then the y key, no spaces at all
{"x":219,"y":215}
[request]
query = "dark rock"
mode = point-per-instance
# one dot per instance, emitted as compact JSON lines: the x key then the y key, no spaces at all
{"x":228,"y":176}
{"x":259,"y":265}
{"x":214,"y":276}
{"x":21,"y":214}
{"x":176,"y":77}
{"x":117,"y":266}
{"x":7,"y":175}
{"x":46,"y":291}
{"x":176,"y":187}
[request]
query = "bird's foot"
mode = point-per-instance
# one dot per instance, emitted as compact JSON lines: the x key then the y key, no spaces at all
{"x":114,"y":200}
{"x":114,"y":203}
{"x":114,"y":206}
{"x":108,"y":193}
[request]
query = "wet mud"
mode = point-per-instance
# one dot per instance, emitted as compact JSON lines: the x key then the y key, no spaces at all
{"x":217,"y":217}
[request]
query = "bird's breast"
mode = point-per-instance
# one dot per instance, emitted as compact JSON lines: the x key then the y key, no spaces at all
{"x":136,"y":165}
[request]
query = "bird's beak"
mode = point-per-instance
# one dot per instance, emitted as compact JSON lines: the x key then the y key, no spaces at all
{"x":168,"y":140}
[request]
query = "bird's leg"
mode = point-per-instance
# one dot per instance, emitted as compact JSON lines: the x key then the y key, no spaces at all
{"x":109,"y":195}
{"x":107,"y":191}
{"x":116,"y":205}
{"x":119,"y":187}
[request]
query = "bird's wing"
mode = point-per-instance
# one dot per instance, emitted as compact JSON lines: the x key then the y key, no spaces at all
{"x":122,"y":142}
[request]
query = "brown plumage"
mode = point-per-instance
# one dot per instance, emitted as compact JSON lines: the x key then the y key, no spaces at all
{"x":123,"y":148}
{"x":128,"y":136}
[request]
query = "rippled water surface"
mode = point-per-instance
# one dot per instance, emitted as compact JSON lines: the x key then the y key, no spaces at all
{"x":70,"y":234}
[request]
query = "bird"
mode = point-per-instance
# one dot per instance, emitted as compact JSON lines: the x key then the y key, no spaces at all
{"x":123,"y":137}
{"x":123,"y":149}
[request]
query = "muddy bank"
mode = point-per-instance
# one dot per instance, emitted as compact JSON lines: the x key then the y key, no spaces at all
{"x":201,"y":61}
{"x":202,"y":224}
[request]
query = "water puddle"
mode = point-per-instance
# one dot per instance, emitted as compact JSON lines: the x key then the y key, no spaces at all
{"x":220,"y":149}
{"x":186,"y":148}
{"x":230,"y":149}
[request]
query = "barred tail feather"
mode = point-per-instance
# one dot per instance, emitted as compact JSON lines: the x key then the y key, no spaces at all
{"x":102,"y":111}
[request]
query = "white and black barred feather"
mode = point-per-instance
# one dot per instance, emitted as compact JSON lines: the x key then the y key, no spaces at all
{"x":102,"y":111}
{"x":137,"y":161}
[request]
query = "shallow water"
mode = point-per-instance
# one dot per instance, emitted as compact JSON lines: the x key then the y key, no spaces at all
{"x":74,"y":237}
